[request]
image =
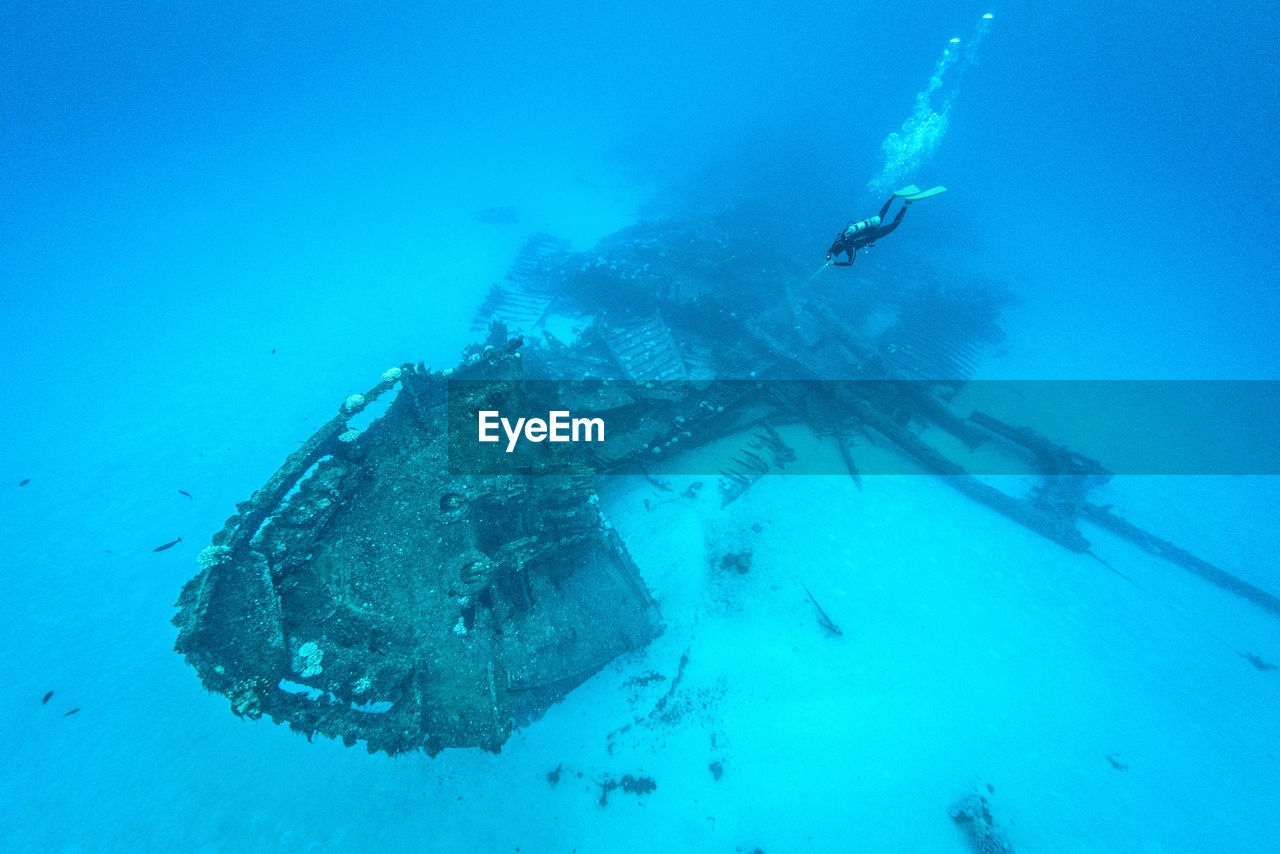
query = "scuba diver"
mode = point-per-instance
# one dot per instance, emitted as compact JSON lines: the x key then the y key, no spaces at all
{"x":860,"y":235}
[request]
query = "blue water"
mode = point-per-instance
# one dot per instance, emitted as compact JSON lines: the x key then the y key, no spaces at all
{"x":218,"y":222}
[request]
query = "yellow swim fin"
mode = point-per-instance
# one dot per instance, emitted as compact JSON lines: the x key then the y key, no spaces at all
{"x":909,"y":190}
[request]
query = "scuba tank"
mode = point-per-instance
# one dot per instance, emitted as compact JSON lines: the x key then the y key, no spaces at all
{"x":858,"y":227}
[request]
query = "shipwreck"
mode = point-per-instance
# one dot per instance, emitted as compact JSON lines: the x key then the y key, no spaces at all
{"x":382,"y":587}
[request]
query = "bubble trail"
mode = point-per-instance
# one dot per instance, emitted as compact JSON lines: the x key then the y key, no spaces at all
{"x":910,"y":147}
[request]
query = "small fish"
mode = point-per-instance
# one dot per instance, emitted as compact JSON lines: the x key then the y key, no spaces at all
{"x":70,"y":713}
{"x":47,"y":697}
{"x":167,"y":545}
{"x":273,"y":351}
{"x":1258,"y":662}
{"x":184,"y":492}
{"x":823,"y":619}
{"x":24,"y":481}
{"x":1116,"y":763}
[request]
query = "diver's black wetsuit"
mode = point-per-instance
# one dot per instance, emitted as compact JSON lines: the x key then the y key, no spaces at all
{"x":850,"y":242}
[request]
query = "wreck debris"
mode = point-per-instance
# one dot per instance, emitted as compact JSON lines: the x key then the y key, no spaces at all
{"x":660,"y":711}
{"x":1163,"y":548}
{"x":537,"y":265}
{"x":846,"y":455}
{"x":523,"y":299}
{"x":628,"y":783}
{"x":940,"y":332}
{"x":1062,"y":494}
{"x":647,"y":678}
{"x":659,"y":708}
{"x":1054,"y":459}
{"x":765,"y":450}
{"x":646,"y":350}
{"x":662,"y":485}
{"x":517,"y":309}
{"x":1059,"y":528}
{"x":973,"y":815}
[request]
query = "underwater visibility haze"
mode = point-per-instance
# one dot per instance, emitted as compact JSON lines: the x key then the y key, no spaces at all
{"x":934,"y":352}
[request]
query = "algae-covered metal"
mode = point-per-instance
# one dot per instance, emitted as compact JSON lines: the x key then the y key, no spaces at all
{"x":366,"y":594}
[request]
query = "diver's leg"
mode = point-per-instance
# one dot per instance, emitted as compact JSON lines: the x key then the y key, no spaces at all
{"x":891,"y":226}
{"x":884,"y":210}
